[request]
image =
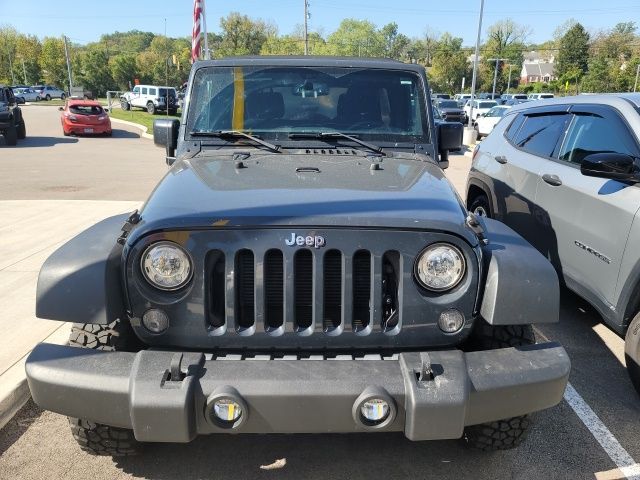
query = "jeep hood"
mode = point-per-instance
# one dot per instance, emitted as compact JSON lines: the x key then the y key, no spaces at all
{"x":403,"y":191}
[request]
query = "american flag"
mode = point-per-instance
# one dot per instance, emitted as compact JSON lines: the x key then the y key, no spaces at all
{"x":196,"y":37}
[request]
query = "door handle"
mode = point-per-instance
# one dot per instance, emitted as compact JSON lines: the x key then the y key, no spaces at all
{"x":553,"y":180}
{"x":500,"y":159}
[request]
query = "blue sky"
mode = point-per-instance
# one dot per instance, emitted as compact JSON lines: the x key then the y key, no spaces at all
{"x":86,"y":21}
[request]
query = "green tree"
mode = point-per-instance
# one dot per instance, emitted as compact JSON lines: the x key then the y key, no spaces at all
{"x":573,"y":54}
{"x":95,"y":73}
{"x":243,"y":36}
{"x":449,"y":64}
{"x":395,"y":44}
{"x":356,"y":38}
{"x":53,"y":63}
{"x":123,"y":69}
{"x":506,"y":40}
{"x":28,"y":49}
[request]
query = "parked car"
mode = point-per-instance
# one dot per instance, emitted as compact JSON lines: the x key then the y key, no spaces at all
{"x":516,"y":101}
{"x":84,"y":117}
{"x":566,"y":177}
{"x":489,"y":96}
{"x":485,"y":123}
{"x":450,"y":111}
{"x":12,"y":126}
{"x":26,"y":95}
{"x":504,"y":98}
{"x":299,"y":269}
{"x":444,"y":96}
{"x":540,"y":96}
{"x":47,"y":92}
{"x":151,"y":98}
{"x":462,"y":98}
{"x":480,"y":107}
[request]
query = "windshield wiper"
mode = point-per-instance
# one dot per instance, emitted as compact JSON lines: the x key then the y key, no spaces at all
{"x":236,"y":134}
{"x":321,"y":135}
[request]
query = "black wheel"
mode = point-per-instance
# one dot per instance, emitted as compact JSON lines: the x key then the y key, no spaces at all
{"x":103,"y":440}
{"x":92,"y":437}
{"x":509,"y":432}
{"x":151,"y":108}
{"x":477,"y":129}
{"x":633,"y":369}
{"x":38,"y":98}
{"x":11,"y":135}
{"x":480,"y":206}
{"x":125,"y":105}
{"x":63,"y":96}
{"x":21,"y":130}
{"x":48,"y":97}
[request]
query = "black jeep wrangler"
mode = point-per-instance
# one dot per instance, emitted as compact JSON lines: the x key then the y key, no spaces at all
{"x":304,"y":266}
{"x":12,"y":124}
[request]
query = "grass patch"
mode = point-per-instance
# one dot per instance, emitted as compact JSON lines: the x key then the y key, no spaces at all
{"x":138,"y":116}
{"x":54,"y":102}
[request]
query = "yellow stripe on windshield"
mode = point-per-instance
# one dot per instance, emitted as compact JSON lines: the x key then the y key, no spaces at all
{"x":237,"y":122}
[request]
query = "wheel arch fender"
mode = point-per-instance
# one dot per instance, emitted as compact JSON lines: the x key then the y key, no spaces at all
{"x":475,"y":186}
{"x":81,"y":281}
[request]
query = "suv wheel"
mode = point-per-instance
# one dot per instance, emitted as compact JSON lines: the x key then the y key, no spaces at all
{"x":633,"y":369}
{"x":124,"y":105}
{"x":92,"y":437}
{"x":63,"y":96}
{"x":21,"y":130}
{"x":38,"y":98}
{"x":11,"y":135}
{"x":151,"y":108}
{"x":509,"y":432}
{"x":480,"y":206}
{"x":48,"y":97}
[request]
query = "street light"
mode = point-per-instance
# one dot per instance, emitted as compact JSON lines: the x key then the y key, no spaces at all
{"x":475,"y":73}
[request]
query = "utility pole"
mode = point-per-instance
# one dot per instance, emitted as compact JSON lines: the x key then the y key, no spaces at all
{"x":495,"y":74}
{"x":24,"y":71}
{"x":635,"y":85}
{"x":13,"y":79}
{"x":66,"y":54}
{"x":475,"y":65}
{"x":306,"y":33}
{"x":509,"y":82}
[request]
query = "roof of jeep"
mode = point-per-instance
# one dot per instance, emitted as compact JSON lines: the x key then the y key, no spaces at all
{"x":311,"y":61}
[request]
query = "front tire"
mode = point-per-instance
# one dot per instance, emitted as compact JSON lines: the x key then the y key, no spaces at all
{"x":92,"y":437}
{"x":507,"y":433}
{"x":48,"y":97}
{"x":633,"y":369}
{"x":21,"y":130}
{"x":151,"y":108}
{"x":11,"y":135}
{"x":124,"y":105}
{"x":480,"y":206}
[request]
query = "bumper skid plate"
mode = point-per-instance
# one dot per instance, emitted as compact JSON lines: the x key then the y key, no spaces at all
{"x":166,"y":396}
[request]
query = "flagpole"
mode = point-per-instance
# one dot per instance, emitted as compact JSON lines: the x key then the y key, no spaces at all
{"x":207,"y":54}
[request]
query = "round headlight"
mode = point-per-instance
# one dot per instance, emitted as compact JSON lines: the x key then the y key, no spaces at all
{"x":440,"y":267}
{"x":166,"y":265}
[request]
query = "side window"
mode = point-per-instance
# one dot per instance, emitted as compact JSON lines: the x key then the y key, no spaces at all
{"x":136,"y":90}
{"x":152,"y":91}
{"x":513,"y":129}
{"x":592,"y":133}
{"x":539,"y":134}
{"x":144,"y":90}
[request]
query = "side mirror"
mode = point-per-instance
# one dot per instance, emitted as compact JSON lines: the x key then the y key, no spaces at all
{"x":61,"y":108}
{"x":165,"y":134}
{"x":615,"y":166}
{"x":106,"y":109}
{"x":449,"y":138}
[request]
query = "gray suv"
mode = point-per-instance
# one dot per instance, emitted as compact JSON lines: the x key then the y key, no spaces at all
{"x":565,"y":176}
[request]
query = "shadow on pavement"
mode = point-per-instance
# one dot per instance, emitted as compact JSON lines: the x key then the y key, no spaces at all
{"x":18,"y":425}
{"x":39,"y":141}
{"x":118,"y":133}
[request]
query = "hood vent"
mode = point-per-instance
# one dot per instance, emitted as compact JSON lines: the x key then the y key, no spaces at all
{"x":330,"y":151}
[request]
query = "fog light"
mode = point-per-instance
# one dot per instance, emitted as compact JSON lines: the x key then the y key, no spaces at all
{"x":451,"y":321}
{"x":227,"y":410}
{"x":375,"y":410}
{"x":156,"y":321}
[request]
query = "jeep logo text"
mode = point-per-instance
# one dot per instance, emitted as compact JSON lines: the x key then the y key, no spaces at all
{"x":315,"y":241}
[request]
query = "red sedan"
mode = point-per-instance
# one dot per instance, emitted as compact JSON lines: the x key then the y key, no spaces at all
{"x":84,"y":117}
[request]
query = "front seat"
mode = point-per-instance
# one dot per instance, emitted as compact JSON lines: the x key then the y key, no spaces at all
{"x":262,"y":107}
{"x":359,"y":105}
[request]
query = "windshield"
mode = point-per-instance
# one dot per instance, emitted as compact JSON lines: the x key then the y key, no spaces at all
{"x":379,"y":105}
{"x":486,"y":104}
{"x":496,"y":112}
{"x":448,"y":104}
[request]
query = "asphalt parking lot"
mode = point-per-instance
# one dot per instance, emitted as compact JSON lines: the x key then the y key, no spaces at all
{"x":589,"y":435}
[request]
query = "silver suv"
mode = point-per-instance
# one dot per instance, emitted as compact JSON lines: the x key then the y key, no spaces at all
{"x":565,"y":174}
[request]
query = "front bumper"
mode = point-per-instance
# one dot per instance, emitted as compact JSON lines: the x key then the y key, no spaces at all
{"x":162,"y":395}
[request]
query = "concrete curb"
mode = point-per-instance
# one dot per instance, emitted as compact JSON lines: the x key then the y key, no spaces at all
{"x":133,"y":124}
{"x":14,"y":390}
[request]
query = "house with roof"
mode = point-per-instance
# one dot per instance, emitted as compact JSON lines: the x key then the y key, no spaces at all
{"x":536,"y":68}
